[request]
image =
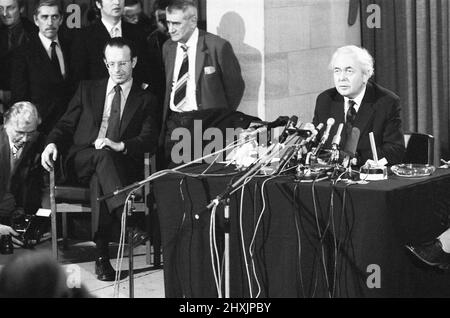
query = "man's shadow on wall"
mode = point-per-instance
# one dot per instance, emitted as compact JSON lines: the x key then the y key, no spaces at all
{"x":232,"y":28}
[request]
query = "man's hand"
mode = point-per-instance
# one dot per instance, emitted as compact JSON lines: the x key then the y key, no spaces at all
{"x":101,"y":143}
{"x":7,"y":230}
{"x":49,"y":156}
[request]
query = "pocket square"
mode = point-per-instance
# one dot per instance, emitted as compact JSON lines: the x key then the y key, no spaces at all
{"x":209,"y":70}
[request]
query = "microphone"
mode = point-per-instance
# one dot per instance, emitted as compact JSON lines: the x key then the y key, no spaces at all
{"x":326,"y":133}
{"x":316,"y":132}
{"x":337,"y":138}
{"x":350,"y":146}
{"x":280,"y":121}
{"x":335,"y":144}
{"x":290,"y":124}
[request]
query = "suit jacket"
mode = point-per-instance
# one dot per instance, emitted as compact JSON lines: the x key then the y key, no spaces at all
{"x":379,"y":113}
{"x":34,"y":79}
{"x":26,"y":30}
{"x":87,"y":55}
{"x":78,"y":128}
{"x":221,"y":89}
{"x":26,"y":182}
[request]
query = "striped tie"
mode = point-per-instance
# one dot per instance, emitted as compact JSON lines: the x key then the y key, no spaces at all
{"x":180,"y":87}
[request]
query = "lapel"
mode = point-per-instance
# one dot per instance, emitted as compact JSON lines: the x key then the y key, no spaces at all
{"x":4,"y":160}
{"x":131,"y":105}
{"x":201,"y":54}
{"x":98,"y":100}
{"x":337,"y":109}
{"x":171,"y":55}
{"x":366,"y":111}
{"x":43,"y":59}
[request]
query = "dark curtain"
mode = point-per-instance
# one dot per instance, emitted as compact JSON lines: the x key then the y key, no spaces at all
{"x":411,"y":52}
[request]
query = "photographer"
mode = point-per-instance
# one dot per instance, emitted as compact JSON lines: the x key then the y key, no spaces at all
{"x":20,"y":184}
{"x":7,"y":230}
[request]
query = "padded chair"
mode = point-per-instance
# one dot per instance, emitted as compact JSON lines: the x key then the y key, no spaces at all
{"x":419,"y":148}
{"x":70,"y":198}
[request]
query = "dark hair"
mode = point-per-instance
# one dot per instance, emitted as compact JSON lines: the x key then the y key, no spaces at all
{"x":132,"y":2}
{"x":161,"y":4}
{"x":120,"y":43}
{"x":48,"y":3}
{"x":181,"y":5}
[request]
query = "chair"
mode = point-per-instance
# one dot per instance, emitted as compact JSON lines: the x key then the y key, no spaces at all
{"x":419,"y":148}
{"x":69,"y":198}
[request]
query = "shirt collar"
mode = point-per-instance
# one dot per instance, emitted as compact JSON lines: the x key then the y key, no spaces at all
{"x":126,"y":87}
{"x":46,"y":42}
{"x":192,"y":42}
{"x":109,"y":26}
{"x":358,"y":99}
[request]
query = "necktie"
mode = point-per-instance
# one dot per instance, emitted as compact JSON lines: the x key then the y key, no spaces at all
{"x":180,"y":86}
{"x":54,"y":58}
{"x":14,"y":151}
{"x":114,"y":32}
{"x":113,"y":130}
{"x":351,"y":112}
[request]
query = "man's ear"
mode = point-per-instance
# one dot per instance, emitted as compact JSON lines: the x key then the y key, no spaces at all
{"x":133,"y":61}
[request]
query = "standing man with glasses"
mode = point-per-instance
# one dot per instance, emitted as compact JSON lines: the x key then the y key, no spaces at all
{"x":19,"y":162}
{"x":107,"y":128}
{"x":203,"y":75}
{"x":40,"y":67}
{"x":358,"y":102}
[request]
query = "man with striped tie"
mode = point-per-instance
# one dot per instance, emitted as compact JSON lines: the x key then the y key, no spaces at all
{"x":203,"y":75}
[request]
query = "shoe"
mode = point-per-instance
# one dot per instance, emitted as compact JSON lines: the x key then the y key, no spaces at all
{"x":104,"y":271}
{"x":431,"y":253}
{"x":139,"y":237}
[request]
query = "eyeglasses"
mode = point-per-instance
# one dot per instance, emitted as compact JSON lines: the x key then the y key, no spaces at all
{"x":120,"y":64}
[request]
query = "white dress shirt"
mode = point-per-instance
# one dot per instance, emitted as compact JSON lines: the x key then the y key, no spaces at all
{"x":47,"y":43}
{"x":114,"y":30}
{"x":358,"y":100}
{"x":110,"y":92}
{"x":191,"y":98}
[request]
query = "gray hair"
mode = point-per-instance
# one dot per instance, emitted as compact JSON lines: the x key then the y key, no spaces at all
{"x":362,"y":56}
{"x":23,"y":110}
{"x":189,"y":6}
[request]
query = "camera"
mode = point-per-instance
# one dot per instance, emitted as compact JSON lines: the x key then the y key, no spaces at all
{"x":30,"y":229}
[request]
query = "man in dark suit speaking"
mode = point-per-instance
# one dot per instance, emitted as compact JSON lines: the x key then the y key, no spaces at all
{"x":203,"y":75}
{"x":358,"y":102}
{"x":108,"y":126}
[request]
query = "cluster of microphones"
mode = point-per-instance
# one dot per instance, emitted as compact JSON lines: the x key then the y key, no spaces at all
{"x":304,"y":147}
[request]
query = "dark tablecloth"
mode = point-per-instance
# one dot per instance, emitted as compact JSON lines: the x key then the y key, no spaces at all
{"x":313,"y":240}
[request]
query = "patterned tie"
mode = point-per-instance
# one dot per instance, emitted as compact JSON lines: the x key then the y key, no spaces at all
{"x":351,"y":112}
{"x":113,"y":130}
{"x":14,"y":151}
{"x":180,"y":87}
{"x":54,"y":58}
{"x":114,"y":32}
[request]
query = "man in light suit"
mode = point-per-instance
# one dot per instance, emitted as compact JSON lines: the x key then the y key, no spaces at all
{"x":107,"y":127}
{"x":19,"y":162}
{"x":203,"y":87}
{"x":40,"y":67}
{"x":375,"y":109}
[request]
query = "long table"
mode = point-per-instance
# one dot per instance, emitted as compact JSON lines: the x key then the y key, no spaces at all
{"x":303,"y":239}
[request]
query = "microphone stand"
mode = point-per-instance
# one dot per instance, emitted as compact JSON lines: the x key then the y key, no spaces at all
{"x":130,"y":204}
{"x":225,"y":199}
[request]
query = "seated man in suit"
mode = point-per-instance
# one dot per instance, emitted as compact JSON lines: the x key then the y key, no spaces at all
{"x":357,"y":102}
{"x":107,"y":127}
{"x":39,"y":70}
{"x":19,"y":163}
{"x":203,"y":75}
